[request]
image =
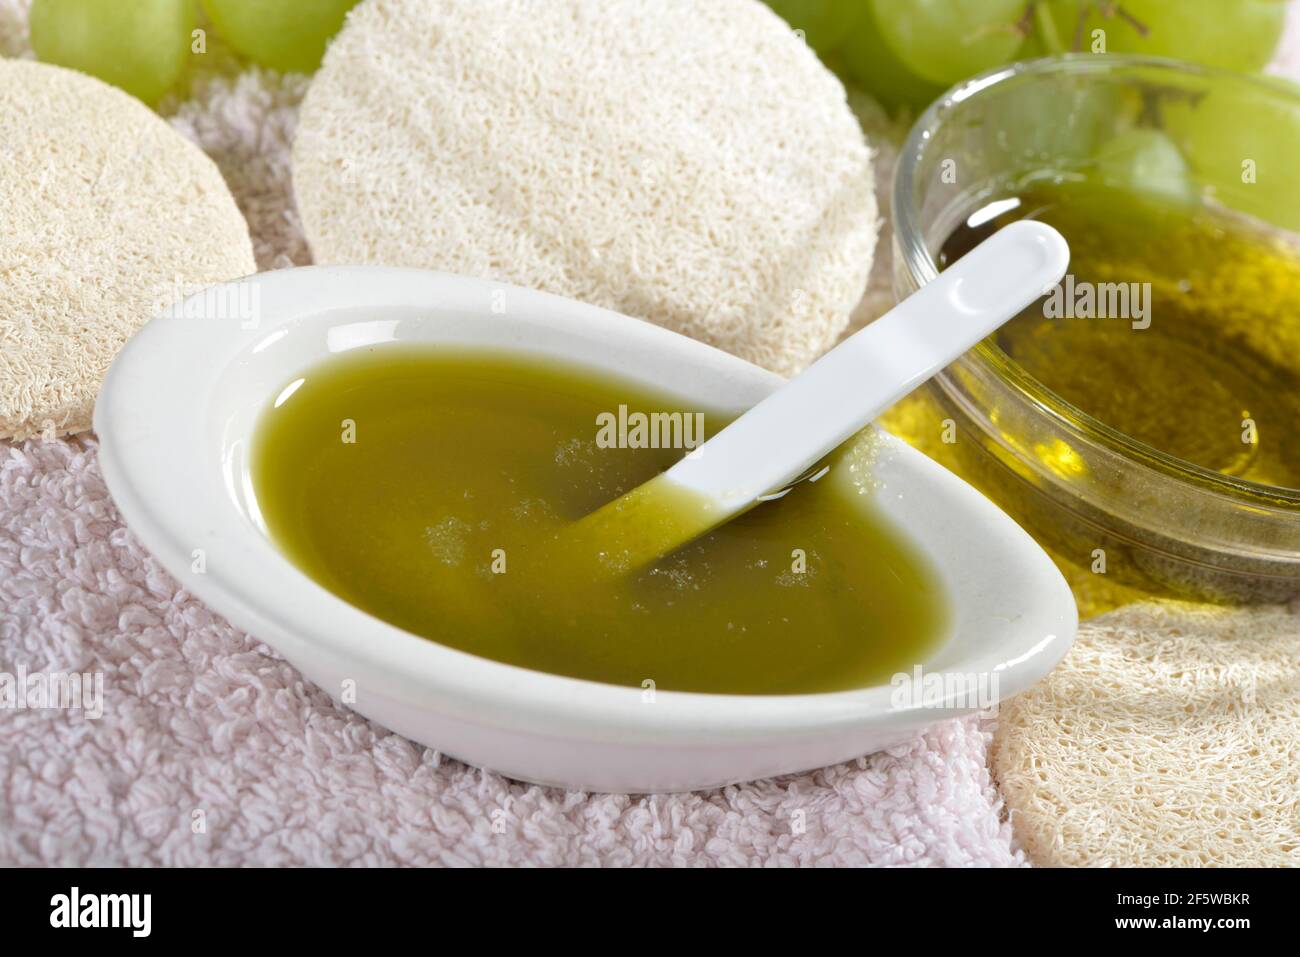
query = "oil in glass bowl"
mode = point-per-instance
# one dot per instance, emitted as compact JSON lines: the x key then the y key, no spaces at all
{"x":1178,"y":325}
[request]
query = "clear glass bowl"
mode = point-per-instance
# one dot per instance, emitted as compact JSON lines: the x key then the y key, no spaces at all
{"x":1088,"y":492}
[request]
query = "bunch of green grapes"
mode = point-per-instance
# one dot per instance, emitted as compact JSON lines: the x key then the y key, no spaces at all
{"x":143,"y":46}
{"x":906,"y":52}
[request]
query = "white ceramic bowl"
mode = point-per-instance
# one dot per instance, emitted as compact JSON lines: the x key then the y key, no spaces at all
{"x":175,"y":418}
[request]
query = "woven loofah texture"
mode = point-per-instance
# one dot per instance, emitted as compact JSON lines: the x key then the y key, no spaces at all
{"x":689,"y":162}
{"x":1169,"y":736}
{"x":107,"y":216}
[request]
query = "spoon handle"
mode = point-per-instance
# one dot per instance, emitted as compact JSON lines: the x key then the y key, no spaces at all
{"x":778,"y":439}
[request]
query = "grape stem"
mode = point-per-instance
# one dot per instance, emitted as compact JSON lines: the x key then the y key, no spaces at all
{"x":1038,"y":17}
{"x":1110,"y":8}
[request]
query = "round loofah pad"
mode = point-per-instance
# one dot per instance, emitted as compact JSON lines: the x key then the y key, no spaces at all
{"x":689,"y":162}
{"x":107,"y":216}
{"x":1169,"y":736}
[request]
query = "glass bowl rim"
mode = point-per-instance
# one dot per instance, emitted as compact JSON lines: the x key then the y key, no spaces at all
{"x":916,"y":256}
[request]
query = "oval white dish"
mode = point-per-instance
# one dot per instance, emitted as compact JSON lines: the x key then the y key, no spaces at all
{"x":175,"y":417}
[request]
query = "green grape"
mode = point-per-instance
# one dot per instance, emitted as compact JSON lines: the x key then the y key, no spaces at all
{"x":865,"y":58}
{"x":1032,"y":48}
{"x":825,"y":23}
{"x":1233,"y":34}
{"x":287,"y":35}
{"x":139,"y":46}
{"x":1145,"y":161}
{"x":1053,"y":126}
{"x":944,"y":41}
{"x":1242,"y":143}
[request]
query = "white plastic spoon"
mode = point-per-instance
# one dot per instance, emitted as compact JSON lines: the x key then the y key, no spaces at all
{"x":776,"y":441}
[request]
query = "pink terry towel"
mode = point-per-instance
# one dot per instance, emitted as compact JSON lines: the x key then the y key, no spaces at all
{"x":211,"y":749}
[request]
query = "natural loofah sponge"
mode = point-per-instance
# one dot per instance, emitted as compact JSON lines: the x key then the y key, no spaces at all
{"x":690,"y":162}
{"x":1169,"y":736}
{"x":107,"y":215}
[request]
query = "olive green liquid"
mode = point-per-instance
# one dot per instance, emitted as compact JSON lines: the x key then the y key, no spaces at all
{"x":430,"y":487}
{"x":1214,"y":376}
